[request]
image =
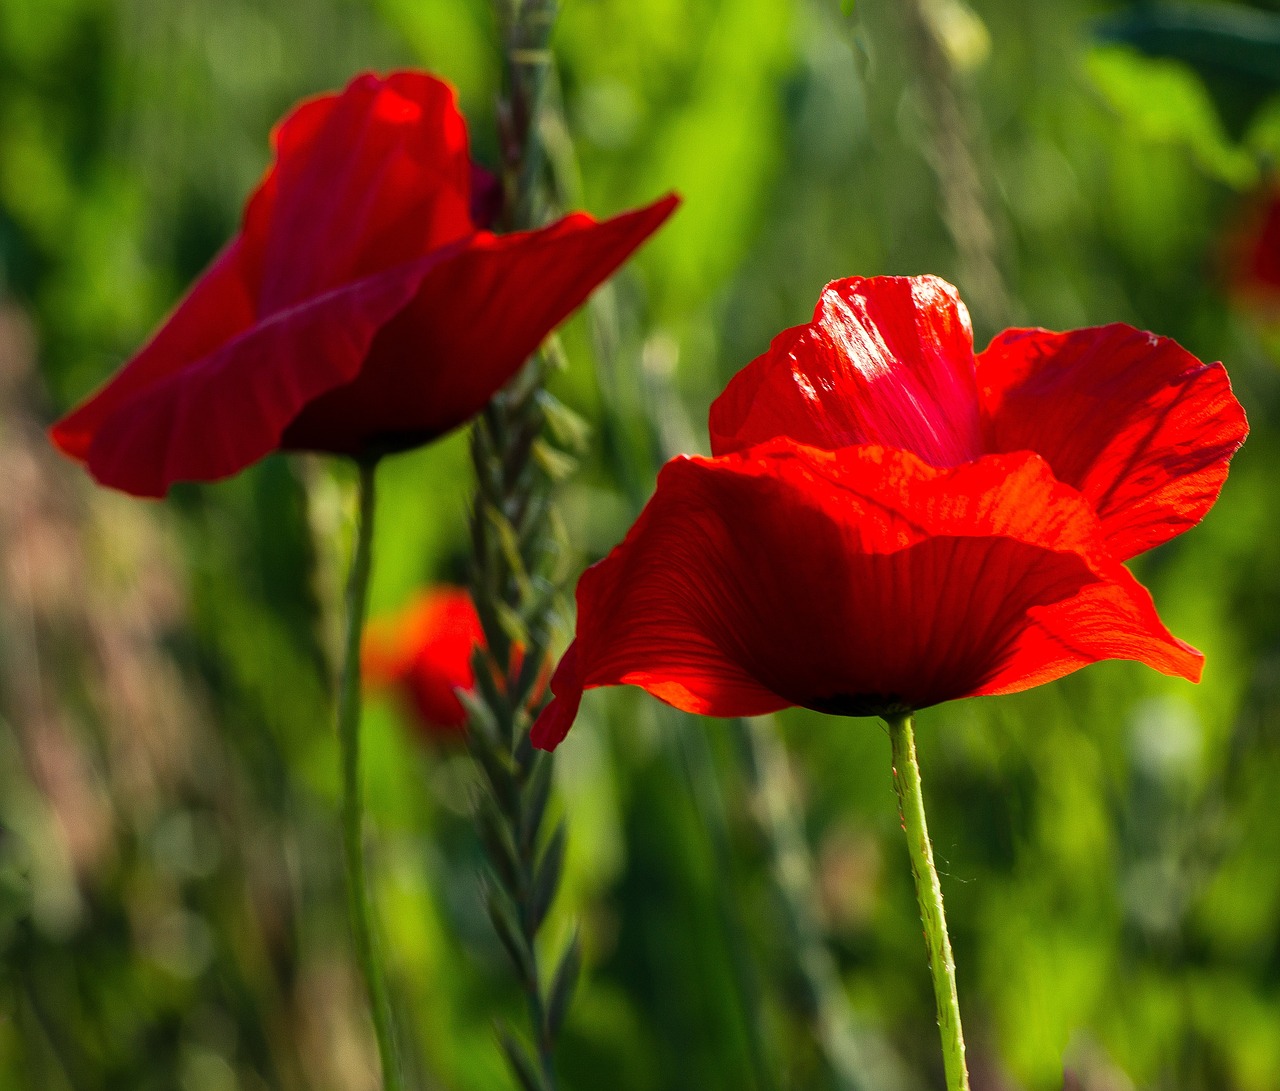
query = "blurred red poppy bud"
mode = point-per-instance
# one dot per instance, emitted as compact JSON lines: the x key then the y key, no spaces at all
{"x":1253,"y":252}
{"x":424,"y":653}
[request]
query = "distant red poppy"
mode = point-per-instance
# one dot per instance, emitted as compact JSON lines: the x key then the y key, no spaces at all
{"x":362,"y":308}
{"x":891,"y":522}
{"x":1253,"y":251}
{"x":425,"y":652}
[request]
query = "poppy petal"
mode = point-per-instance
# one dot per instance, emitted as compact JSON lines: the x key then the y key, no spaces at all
{"x":480,"y":315}
{"x":184,"y":419}
{"x":886,"y":360}
{"x":366,"y":209}
{"x":1115,"y":620}
{"x":364,"y":180}
{"x":1135,"y":422}
{"x":217,"y":308}
{"x":854,"y":581}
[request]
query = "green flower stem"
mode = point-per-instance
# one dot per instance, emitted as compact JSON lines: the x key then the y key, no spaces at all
{"x":906,"y":779}
{"x":352,"y":793}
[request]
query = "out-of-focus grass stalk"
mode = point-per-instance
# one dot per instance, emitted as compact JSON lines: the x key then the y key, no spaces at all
{"x":765,"y":763}
{"x":950,"y":153}
{"x":942,"y":966}
{"x":349,"y":704}
{"x":826,"y":1008}
{"x":708,"y":799}
{"x":698,"y":763}
{"x":515,"y":588}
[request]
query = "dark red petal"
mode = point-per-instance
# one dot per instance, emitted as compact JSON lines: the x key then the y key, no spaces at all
{"x":216,"y":309}
{"x":852,"y":581}
{"x":567,"y":684}
{"x":473,"y":322}
{"x":1253,"y":250}
{"x":1115,"y":620}
{"x":170,"y":416}
{"x":373,"y":177}
{"x":886,"y":360}
{"x":1135,"y":422}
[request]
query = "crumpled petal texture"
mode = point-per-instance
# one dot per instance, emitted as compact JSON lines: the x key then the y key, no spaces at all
{"x":856,"y":581}
{"x":363,"y":307}
{"x":892,"y":521}
{"x":1135,"y":422}
{"x":886,"y":361}
{"x":1138,"y":424}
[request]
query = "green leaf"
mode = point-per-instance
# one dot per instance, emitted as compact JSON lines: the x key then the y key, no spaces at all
{"x":1235,"y":50}
{"x":1164,"y":102}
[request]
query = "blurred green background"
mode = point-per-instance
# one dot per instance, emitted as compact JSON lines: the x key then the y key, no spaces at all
{"x":171,"y":905}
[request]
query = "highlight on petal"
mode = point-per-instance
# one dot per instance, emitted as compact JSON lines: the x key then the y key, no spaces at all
{"x":472,"y":323}
{"x":1135,"y":422}
{"x":856,"y":581}
{"x":366,"y":179}
{"x":886,"y":360}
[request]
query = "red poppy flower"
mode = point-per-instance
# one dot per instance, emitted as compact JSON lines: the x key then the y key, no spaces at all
{"x":890,"y":522}
{"x":425,"y":653}
{"x":1253,"y":251}
{"x":361,"y":309}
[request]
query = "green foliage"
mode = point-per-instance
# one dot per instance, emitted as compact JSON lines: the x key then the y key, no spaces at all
{"x":171,"y":907}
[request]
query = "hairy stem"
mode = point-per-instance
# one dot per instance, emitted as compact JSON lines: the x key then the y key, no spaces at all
{"x":942,"y":966}
{"x":352,"y":794}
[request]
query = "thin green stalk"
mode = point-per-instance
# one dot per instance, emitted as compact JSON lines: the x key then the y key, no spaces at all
{"x":942,"y":966}
{"x":513,"y":588}
{"x":826,"y":1006}
{"x":367,"y":953}
{"x":516,"y":577}
{"x":966,"y":208}
{"x":700,"y":770}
